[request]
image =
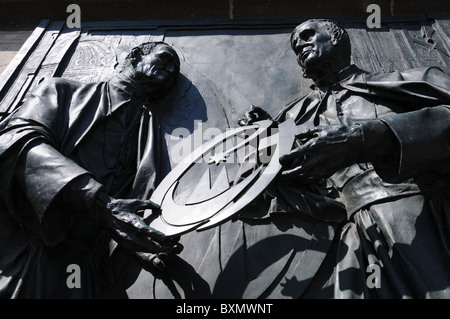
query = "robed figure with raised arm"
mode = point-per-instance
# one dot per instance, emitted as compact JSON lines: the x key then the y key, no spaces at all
{"x":382,"y":141}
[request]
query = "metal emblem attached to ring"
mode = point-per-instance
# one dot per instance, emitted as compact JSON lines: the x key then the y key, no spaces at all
{"x":221,"y":177}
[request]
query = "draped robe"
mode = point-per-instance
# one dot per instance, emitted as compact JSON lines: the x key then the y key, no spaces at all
{"x":64,"y":144}
{"x":322,"y":240}
{"x":398,"y":209}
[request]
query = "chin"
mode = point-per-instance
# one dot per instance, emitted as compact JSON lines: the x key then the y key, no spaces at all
{"x":158,"y":88}
{"x":155,"y":93}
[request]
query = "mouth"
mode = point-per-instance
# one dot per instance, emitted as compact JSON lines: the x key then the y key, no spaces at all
{"x":161,"y":75}
{"x":155,"y":76}
{"x":305,"y":54}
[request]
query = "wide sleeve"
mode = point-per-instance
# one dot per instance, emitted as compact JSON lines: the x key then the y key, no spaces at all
{"x":30,"y":161}
{"x":44,"y":173}
{"x":423,"y":141}
{"x":419,"y":121}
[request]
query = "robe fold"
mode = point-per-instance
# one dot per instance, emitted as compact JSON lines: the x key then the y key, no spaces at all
{"x":65,"y":143}
{"x":324,"y":240}
{"x":398,"y":208}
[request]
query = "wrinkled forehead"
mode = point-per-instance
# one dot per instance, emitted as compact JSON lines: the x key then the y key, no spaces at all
{"x":307,"y":25}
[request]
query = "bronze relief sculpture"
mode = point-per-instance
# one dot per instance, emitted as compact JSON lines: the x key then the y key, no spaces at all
{"x":366,"y":184}
{"x":70,"y":156}
{"x":381,"y":141}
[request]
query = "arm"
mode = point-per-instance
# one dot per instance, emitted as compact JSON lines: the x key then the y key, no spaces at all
{"x":398,"y":145}
{"x":422,"y":142}
{"x":60,"y":191}
{"x":56,"y":189}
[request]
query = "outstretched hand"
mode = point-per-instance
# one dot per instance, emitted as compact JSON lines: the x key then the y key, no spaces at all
{"x":324,"y":150}
{"x":121,"y":219}
{"x":254,"y":114}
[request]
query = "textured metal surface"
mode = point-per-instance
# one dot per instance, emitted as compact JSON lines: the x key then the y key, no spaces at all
{"x":226,"y":66}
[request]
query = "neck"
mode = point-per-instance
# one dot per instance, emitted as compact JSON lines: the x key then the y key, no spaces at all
{"x":128,"y":85}
{"x":334,"y":77}
{"x":324,"y":69}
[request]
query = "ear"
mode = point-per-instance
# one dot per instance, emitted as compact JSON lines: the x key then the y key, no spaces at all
{"x":336,"y":36}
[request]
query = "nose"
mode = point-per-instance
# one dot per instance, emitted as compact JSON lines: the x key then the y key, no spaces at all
{"x":299,"y":44}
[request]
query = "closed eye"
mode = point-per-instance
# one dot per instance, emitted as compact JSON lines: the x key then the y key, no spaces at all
{"x":307,"y":34}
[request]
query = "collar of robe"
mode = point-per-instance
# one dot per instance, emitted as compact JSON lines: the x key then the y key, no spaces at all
{"x":129,"y":86}
{"x":128,"y":90}
{"x":335,"y":77}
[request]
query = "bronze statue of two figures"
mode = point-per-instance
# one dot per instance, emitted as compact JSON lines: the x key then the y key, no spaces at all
{"x":343,"y":194}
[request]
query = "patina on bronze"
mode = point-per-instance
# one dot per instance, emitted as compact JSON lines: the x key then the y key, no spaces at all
{"x":70,"y":156}
{"x":287,"y":242}
{"x":382,"y":141}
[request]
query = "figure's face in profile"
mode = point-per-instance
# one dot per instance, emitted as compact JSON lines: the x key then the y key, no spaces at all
{"x":312,"y":43}
{"x":157,"y":71}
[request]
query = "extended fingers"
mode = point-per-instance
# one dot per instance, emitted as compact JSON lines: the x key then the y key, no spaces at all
{"x":254,"y":114}
{"x":153,"y":233}
{"x":298,"y":155}
{"x":304,"y":168}
{"x":131,"y":205}
{"x":307,"y":133}
{"x":311,"y":167}
{"x":165,"y":243}
{"x":303,"y":174}
{"x":140,"y":205}
{"x":150,"y":244}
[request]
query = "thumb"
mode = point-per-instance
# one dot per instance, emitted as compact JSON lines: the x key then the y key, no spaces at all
{"x":142,"y":204}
